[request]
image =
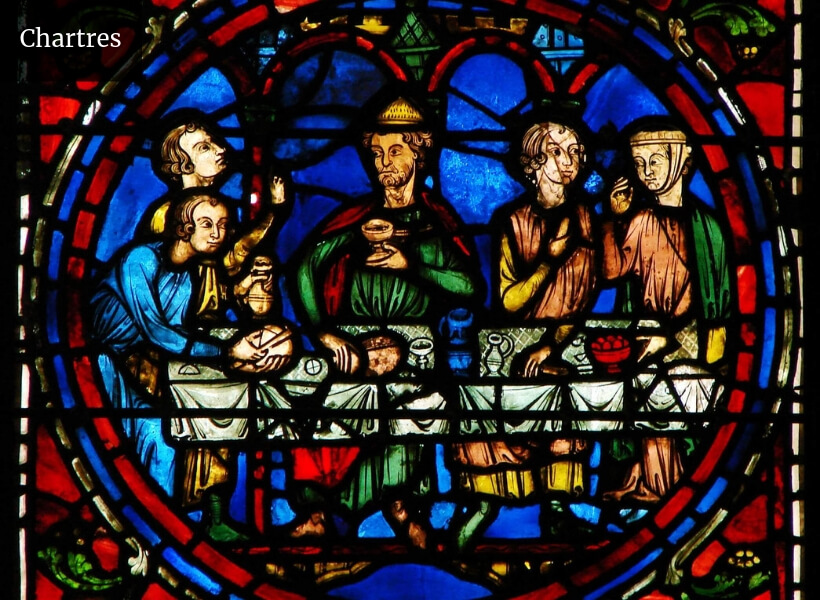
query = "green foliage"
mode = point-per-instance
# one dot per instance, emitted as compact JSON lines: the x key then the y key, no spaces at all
{"x":761,"y":25}
{"x":737,"y":19}
{"x":726,"y":586}
{"x":75,"y":571}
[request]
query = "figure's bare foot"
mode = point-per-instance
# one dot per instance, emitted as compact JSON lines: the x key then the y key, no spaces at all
{"x":644,"y":494}
{"x":484,"y":573}
{"x":331,"y":571}
{"x":314,"y":526}
{"x":417,"y":535}
{"x":633,"y":479}
{"x":398,"y":512}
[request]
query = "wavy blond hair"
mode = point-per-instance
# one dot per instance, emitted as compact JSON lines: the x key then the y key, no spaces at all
{"x":535,"y":141}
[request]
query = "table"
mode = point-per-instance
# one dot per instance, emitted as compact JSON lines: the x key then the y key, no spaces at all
{"x":306,"y":402}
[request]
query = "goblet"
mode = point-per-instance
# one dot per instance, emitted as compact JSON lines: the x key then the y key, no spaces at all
{"x":377,"y":232}
{"x":421,"y":348}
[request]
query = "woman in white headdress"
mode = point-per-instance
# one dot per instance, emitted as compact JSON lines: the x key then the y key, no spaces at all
{"x":675,"y":251}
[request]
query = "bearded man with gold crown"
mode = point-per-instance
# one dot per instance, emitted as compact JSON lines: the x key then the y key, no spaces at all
{"x":425,"y":268}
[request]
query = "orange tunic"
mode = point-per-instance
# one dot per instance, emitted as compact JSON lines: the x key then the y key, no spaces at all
{"x":530,"y":281}
{"x":537,"y":286}
{"x":655,"y":250}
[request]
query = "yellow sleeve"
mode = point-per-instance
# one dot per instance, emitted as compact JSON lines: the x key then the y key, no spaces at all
{"x":515,"y":294}
{"x":158,"y":219}
{"x":715,"y":344}
{"x":236,"y":256}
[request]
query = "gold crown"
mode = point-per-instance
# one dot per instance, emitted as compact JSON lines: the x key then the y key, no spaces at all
{"x":400,"y":112}
{"x":658,"y":137}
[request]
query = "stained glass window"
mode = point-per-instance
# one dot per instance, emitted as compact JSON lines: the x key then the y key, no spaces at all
{"x":411,"y":299}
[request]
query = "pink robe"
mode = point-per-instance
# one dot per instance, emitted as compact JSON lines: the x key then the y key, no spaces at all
{"x":655,"y":250}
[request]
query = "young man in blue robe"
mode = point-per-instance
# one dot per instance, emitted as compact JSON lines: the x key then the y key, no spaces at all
{"x":144,"y":308}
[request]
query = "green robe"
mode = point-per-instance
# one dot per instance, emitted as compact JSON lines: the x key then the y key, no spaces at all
{"x":710,"y":269}
{"x":438,"y":269}
{"x":712,"y":265}
{"x":443,"y":273}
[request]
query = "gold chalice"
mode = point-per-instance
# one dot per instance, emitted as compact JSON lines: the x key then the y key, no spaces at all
{"x":377,"y":232}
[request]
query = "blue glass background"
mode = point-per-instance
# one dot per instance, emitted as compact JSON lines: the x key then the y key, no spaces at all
{"x":320,"y":100}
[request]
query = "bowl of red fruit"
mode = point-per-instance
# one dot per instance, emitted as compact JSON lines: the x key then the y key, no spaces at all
{"x":610,"y":351}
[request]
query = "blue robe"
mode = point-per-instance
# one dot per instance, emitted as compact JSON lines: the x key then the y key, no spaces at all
{"x":144,"y":301}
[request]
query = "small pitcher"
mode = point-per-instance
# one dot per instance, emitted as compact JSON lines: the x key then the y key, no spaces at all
{"x":500,"y":347}
{"x":256,"y":290}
